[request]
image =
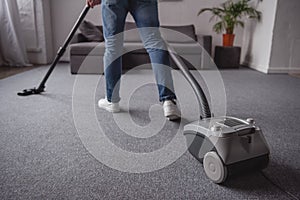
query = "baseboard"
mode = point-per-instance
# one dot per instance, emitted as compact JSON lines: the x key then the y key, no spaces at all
{"x":284,"y":70}
{"x":268,"y":70}
{"x":259,"y":68}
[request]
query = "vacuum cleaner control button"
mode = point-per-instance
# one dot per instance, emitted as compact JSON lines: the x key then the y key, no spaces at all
{"x":216,"y":128}
{"x":250,"y":121}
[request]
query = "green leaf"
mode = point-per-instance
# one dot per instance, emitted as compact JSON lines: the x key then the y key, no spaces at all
{"x":218,"y":27}
{"x":230,"y":14}
{"x":240,"y":23}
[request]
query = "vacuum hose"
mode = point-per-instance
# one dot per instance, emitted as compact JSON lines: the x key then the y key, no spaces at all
{"x":204,"y":106}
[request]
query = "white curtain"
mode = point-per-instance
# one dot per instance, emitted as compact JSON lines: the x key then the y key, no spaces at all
{"x":12,"y":45}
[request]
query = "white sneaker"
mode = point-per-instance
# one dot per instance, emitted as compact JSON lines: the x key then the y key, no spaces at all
{"x":110,"y":107}
{"x":171,"y":110}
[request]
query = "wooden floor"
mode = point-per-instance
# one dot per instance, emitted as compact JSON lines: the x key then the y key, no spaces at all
{"x":6,"y":71}
{"x":295,"y":75}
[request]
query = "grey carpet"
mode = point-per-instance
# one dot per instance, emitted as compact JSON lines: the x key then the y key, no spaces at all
{"x":42,"y":156}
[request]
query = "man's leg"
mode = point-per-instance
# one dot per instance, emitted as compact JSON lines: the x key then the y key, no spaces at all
{"x":114,"y":13}
{"x":145,"y":14}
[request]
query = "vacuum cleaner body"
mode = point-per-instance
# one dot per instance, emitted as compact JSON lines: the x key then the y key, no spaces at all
{"x":227,"y":146}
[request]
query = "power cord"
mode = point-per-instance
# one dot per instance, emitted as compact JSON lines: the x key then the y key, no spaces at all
{"x":279,"y":187}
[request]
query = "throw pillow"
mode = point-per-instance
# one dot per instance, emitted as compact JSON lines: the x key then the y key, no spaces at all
{"x":91,"y":32}
{"x":179,"y":34}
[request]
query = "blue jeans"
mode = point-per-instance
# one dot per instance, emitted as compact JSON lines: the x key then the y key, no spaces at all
{"x":145,"y":14}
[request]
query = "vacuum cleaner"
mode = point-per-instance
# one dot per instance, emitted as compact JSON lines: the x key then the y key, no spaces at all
{"x":226,"y":146}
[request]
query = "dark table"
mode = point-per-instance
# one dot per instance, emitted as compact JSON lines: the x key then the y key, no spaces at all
{"x":227,"y":57}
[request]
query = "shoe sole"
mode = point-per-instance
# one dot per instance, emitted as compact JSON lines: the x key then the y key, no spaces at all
{"x":173,"y":117}
{"x":109,"y":109}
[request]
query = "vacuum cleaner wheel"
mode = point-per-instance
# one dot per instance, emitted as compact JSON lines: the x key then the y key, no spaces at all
{"x":214,"y":167}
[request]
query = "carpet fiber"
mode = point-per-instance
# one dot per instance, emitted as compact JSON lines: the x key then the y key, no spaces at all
{"x":42,"y":155}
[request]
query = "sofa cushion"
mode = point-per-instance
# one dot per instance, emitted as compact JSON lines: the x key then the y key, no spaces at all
{"x":131,"y":33}
{"x":179,"y":34}
{"x":180,"y":48}
{"x":88,"y":48}
{"x":172,"y":34}
{"x":91,"y":32}
{"x":97,"y":49}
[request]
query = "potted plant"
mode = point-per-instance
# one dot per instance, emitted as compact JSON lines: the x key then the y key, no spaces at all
{"x":230,"y":15}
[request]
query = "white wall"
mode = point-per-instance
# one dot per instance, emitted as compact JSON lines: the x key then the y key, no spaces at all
{"x":28,"y":23}
{"x":273,"y":45}
{"x":185,"y":12}
{"x":65,"y":12}
{"x":286,"y":38}
{"x":36,"y":26}
{"x":258,"y":37}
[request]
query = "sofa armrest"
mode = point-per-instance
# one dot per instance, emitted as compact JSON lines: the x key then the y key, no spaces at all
{"x":206,"y":42}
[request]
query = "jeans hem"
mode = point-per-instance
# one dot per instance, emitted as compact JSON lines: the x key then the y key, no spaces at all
{"x":114,"y":101}
{"x":170,"y":97}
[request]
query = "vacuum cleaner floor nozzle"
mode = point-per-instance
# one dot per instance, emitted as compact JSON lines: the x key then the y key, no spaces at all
{"x":32,"y":91}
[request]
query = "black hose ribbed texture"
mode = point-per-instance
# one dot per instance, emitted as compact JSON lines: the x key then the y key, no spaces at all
{"x":204,"y":106}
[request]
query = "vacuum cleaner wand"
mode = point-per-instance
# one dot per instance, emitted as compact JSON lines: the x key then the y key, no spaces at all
{"x":59,"y":54}
{"x":204,"y":106}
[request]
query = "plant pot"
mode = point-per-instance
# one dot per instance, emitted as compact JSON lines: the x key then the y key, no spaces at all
{"x":228,"y":40}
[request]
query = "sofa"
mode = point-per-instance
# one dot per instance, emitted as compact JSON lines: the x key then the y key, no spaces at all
{"x":86,"y":57}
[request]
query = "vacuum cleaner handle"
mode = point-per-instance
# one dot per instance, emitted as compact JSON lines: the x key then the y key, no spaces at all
{"x":62,"y":49}
{"x":59,"y":54}
{"x":74,"y":29}
{"x":204,"y":106}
